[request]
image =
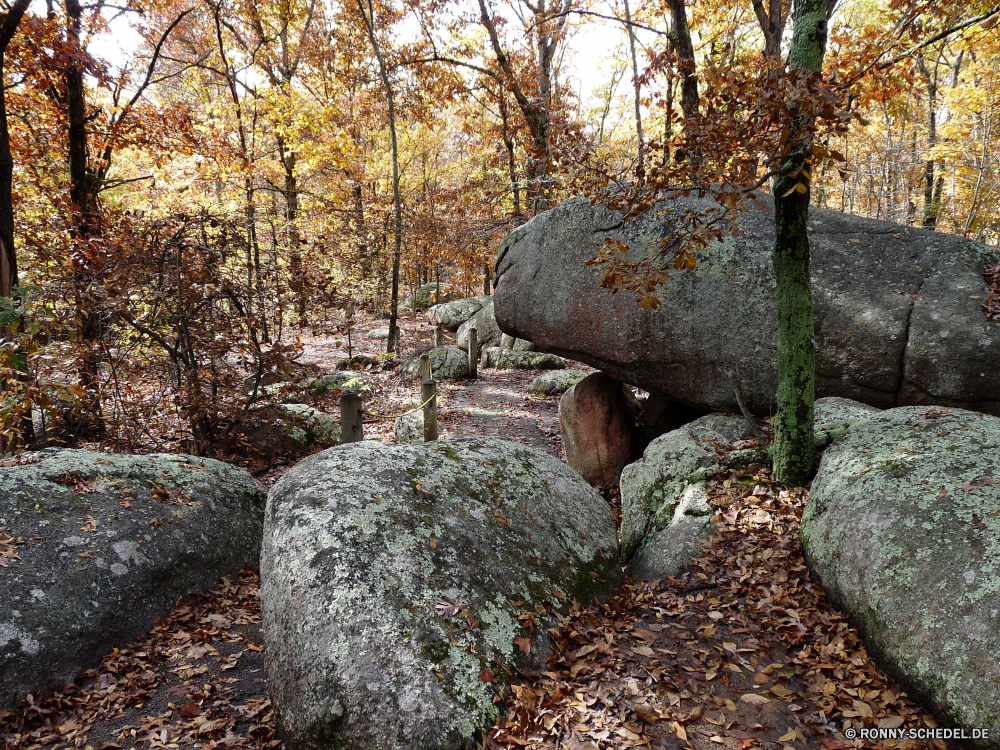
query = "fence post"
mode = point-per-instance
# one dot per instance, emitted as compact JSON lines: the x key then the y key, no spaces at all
{"x":438,"y":336}
{"x":473,"y":353}
{"x":428,"y":394}
{"x":351,"y":429}
{"x":425,"y":368}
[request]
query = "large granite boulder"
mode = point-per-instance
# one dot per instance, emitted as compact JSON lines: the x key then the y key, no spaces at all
{"x":110,"y":542}
{"x":513,"y":359}
{"x":450,"y":315}
{"x":485,"y":323}
{"x":447,"y":363}
{"x":555,"y":382}
{"x":517,"y":345}
{"x":902,"y":529}
{"x":664,"y":516}
{"x":597,"y":423}
{"x":897,"y":309}
{"x":400,"y":582}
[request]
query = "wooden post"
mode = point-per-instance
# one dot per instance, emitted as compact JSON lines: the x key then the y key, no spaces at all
{"x":486,"y":281}
{"x":438,"y":336}
{"x":425,"y":368}
{"x":428,"y":394}
{"x":473,"y":353}
{"x":351,"y":429}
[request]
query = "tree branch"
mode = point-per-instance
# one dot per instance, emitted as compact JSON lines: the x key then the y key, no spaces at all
{"x":939,"y":36}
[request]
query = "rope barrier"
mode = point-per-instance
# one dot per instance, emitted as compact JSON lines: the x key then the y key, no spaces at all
{"x":397,"y":416}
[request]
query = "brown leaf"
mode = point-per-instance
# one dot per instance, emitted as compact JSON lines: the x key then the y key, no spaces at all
{"x":646,"y":713}
{"x":524,"y":644}
{"x":487,"y":676}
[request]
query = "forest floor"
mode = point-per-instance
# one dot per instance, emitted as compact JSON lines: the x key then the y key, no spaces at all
{"x":740,"y":650}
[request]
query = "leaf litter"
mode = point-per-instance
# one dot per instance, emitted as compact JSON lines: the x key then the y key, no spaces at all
{"x":740,"y":650}
{"x":196,"y":680}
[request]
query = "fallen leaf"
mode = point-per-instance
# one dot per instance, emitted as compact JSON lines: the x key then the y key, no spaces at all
{"x":524,"y":644}
{"x":754,"y":699}
{"x":487,"y":676}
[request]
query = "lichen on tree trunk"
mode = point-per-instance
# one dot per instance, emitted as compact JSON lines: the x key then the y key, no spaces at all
{"x":794,"y":444}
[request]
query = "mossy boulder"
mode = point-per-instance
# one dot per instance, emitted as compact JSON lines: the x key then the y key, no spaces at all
{"x":447,"y":363}
{"x":451,"y":315}
{"x":109,"y":543}
{"x":512,"y":359}
{"x":343,"y":380}
{"x":555,"y":382}
{"x":664,"y":519}
{"x":394,"y":575}
{"x":903,"y":531}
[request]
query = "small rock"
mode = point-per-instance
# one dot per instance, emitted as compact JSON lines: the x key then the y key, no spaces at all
{"x":447,"y":363}
{"x":508,"y":359}
{"x":555,"y":382}
{"x":341,"y":380}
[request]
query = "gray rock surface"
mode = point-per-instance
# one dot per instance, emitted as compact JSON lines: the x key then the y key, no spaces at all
{"x":555,"y":382}
{"x":426,"y":296}
{"x":833,"y":412}
{"x":485,"y":324}
{"x":378,"y":333}
{"x":95,"y":569}
{"x":517,"y":345}
{"x":897,"y":319}
{"x":663,"y":518}
{"x":447,"y":363}
{"x":343,"y":380}
{"x":450,"y":315}
{"x":379,"y":558}
{"x":509,"y":359}
{"x":902,"y":530}
{"x":306,"y":425}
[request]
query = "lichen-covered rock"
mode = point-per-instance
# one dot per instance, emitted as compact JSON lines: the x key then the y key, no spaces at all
{"x":898,"y":309}
{"x":485,"y":324}
{"x":555,"y":382}
{"x":393,"y":575}
{"x":95,"y":568}
{"x":409,"y":428}
{"x":426,"y":296}
{"x":306,"y":425}
{"x":512,"y":359}
{"x":451,"y":315}
{"x":343,"y":380}
{"x":378,"y":333}
{"x":447,"y":363}
{"x":902,"y":530}
{"x":664,"y":518}
{"x":832,"y":413}
{"x":515,"y":344}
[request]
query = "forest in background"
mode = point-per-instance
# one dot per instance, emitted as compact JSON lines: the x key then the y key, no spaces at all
{"x":254,"y":168}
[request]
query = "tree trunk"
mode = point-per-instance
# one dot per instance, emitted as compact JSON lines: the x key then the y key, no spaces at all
{"x":680,"y":38}
{"x":794,"y":443}
{"x":397,"y":200}
{"x":294,"y":239}
{"x":8,"y":256}
{"x":640,"y":170}
{"x":83,"y":193}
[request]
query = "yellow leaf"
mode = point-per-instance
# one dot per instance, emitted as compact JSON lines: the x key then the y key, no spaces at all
{"x":801,"y":188}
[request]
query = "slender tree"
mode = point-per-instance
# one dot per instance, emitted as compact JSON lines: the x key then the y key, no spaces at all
{"x":794,"y":446}
{"x":368,"y":16}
